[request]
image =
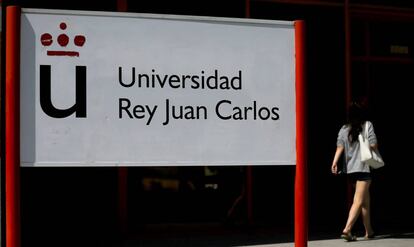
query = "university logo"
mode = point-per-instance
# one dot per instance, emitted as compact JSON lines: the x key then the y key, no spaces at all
{"x":79,"y":107}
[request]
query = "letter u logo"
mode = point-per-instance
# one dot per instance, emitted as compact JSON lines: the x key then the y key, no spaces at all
{"x":79,"y":106}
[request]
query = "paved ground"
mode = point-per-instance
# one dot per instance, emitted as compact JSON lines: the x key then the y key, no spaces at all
{"x":265,"y":238}
{"x":168,"y":236}
{"x":401,"y":240}
{"x":381,"y":241}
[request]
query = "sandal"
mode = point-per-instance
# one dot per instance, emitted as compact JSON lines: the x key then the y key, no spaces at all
{"x":348,"y":237}
{"x":369,"y":236}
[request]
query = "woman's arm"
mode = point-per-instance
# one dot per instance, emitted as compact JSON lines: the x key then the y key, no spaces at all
{"x":372,"y":137}
{"x":338,"y":152}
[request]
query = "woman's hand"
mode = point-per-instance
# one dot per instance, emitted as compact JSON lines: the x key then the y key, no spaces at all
{"x":338,"y":152}
{"x":334,"y":168}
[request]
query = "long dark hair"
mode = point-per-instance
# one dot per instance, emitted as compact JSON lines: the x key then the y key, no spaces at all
{"x":356,"y":118}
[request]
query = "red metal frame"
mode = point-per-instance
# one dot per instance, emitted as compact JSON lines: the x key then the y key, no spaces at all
{"x":123,"y":199}
{"x":12,"y":139}
{"x":122,"y":6}
{"x":301,"y":181}
{"x":249,"y":194}
{"x":249,"y":169}
{"x":247,"y":9}
{"x":12,"y":125}
{"x":348,"y":71}
{"x":325,"y":3}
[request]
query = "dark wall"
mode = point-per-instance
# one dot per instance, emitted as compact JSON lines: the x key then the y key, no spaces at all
{"x":68,"y":206}
{"x":392,"y":108}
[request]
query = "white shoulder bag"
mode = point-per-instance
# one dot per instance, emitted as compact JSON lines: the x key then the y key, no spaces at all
{"x":369,"y":156}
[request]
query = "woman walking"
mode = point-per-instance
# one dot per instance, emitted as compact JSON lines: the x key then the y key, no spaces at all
{"x":356,"y":171}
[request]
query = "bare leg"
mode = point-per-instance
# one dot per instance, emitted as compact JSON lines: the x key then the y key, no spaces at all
{"x":366,"y":214}
{"x":361,"y":192}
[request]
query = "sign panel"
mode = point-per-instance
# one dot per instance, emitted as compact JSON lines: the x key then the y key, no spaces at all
{"x":113,"y":89}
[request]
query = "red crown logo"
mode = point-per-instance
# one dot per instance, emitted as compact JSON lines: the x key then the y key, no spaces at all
{"x":63,"y":40}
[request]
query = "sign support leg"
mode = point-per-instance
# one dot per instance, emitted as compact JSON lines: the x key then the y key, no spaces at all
{"x":301,"y":194}
{"x":12,"y":126}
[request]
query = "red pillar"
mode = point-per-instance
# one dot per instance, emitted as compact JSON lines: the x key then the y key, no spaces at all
{"x":301,"y":193}
{"x":247,"y":8}
{"x":348,"y":80}
{"x":12,"y":127}
{"x":122,"y":6}
{"x":249,"y":169}
{"x":249,"y":194}
{"x":348,"y":64}
{"x":123,"y":199}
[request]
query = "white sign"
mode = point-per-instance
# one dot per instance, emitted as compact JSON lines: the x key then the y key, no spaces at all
{"x":112,"y":89}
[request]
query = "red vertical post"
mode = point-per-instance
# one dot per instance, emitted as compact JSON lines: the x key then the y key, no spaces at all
{"x":122,"y":6}
{"x":12,"y":126}
{"x":348,"y":79}
{"x":123,"y":199}
{"x":348,"y":69}
{"x":249,"y":169}
{"x":247,"y":8}
{"x":249,"y":194}
{"x":301,"y":193}
{"x":367,"y":34}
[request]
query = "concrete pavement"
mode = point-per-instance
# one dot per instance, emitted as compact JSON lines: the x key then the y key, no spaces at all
{"x":390,"y":240}
{"x":265,"y":239}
